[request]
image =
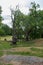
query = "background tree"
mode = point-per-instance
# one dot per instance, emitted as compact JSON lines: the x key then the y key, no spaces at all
{"x":34,"y":19}
{"x":18,"y":23}
{"x":5,"y":30}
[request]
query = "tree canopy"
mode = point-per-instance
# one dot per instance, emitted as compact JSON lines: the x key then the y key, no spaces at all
{"x":25,"y":26}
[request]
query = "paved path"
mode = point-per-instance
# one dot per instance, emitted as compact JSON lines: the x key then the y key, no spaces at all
{"x":21,"y":60}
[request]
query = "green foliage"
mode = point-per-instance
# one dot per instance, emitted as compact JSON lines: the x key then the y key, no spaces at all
{"x":25,"y":26}
{"x":0,"y":14}
{"x":5,"y":30}
{"x":34,"y":22}
{"x":17,"y":23}
{"x":2,"y":32}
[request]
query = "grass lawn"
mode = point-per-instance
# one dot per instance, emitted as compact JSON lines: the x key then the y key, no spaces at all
{"x":30,"y":48}
{"x":27,"y":51}
{"x":5,"y":45}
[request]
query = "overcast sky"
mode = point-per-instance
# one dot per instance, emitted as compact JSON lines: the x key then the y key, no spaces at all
{"x":24,"y":5}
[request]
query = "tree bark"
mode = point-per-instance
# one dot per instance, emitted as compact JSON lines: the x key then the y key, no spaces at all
{"x":14,"y":38}
{"x":26,"y":36}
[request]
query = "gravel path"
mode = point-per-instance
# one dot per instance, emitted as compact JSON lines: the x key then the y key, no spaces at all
{"x":21,"y":60}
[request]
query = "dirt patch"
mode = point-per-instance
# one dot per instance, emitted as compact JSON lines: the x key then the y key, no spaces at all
{"x":39,"y":41}
{"x":21,"y":49}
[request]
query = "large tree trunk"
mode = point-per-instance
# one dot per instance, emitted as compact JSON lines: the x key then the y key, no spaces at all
{"x":14,"y":38}
{"x":14,"y":35}
{"x":26,"y":36}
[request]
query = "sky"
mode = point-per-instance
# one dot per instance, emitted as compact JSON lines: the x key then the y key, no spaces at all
{"x":24,"y":6}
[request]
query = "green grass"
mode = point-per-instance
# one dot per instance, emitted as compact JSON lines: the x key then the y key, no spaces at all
{"x":26,"y":53}
{"x":25,"y":43}
{"x":38,"y":52}
{"x":33,"y":52}
{"x":7,"y":45}
{"x":36,"y":49}
{"x":19,"y":53}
